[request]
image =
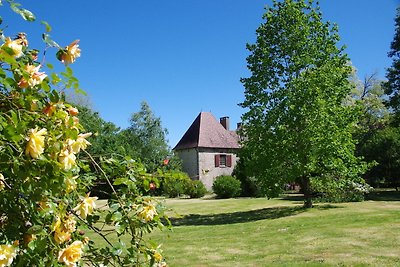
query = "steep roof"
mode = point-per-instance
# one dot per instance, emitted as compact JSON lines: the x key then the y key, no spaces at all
{"x":207,"y":132}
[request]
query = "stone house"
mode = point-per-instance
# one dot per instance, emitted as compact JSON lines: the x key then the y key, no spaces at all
{"x":208,"y":149}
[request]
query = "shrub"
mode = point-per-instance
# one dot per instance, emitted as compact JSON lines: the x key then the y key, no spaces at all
{"x":226,"y":186}
{"x":196,"y":189}
{"x":249,"y":185}
{"x":341,"y":191}
{"x":174,"y":183}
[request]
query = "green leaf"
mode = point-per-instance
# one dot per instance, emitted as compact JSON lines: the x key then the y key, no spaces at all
{"x":45,"y":87}
{"x":117,"y":216}
{"x":117,"y":250}
{"x":114,"y":206}
{"x":54,"y":97}
{"x":27,"y":15}
{"x":120,"y":181}
{"x":120,"y":228}
{"x":47,"y":25}
{"x":46,"y":38}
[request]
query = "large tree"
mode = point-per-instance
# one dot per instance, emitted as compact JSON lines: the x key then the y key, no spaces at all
{"x":297,"y":126}
{"x":368,"y":94}
{"x":392,"y":86}
{"x":105,"y":135}
{"x":147,"y":138}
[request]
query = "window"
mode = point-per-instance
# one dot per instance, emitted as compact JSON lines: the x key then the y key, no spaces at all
{"x":223,"y":160}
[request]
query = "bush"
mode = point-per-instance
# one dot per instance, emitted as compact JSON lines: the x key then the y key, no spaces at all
{"x":249,"y":185}
{"x":341,"y":191}
{"x":226,"y":186}
{"x":174,"y":183}
{"x":196,"y":189}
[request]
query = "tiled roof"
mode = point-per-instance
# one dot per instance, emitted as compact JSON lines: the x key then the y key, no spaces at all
{"x":207,"y":132}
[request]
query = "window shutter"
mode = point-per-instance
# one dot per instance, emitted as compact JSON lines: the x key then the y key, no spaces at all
{"x":216,"y":160}
{"x":228,"y":160}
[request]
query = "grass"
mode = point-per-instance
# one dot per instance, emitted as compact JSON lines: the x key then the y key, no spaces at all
{"x":279,"y":232}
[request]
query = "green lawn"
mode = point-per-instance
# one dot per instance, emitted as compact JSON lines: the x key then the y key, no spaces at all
{"x":279,"y":232}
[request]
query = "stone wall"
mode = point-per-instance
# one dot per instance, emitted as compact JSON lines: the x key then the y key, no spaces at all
{"x":189,"y":162}
{"x":207,"y":170}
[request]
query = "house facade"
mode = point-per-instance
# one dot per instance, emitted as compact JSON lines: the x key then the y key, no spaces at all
{"x":208,"y":149}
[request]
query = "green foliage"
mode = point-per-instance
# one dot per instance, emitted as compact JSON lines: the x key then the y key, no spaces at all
{"x":147,"y":138}
{"x":174,"y":183}
{"x":249,"y":185}
{"x":296,"y":124}
{"x":392,"y":84}
{"x":340,"y":190}
{"x":46,"y":174}
{"x":195,"y":189}
{"x":383,"y":146}
{"x":369,"y":95}
{"x":226,"y":186}
{"x":105,"y":139}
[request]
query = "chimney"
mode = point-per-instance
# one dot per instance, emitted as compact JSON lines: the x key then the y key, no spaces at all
{"x":225,"y":122}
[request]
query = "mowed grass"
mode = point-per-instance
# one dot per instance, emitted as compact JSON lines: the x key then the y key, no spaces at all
{"x":279,"y":232}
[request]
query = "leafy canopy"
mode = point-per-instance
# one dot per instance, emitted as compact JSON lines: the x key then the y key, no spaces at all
{"x":296,"y":124}
{"x":392,"y":85}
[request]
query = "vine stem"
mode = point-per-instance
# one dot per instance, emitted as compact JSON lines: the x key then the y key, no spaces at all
{"x":121,"y":203}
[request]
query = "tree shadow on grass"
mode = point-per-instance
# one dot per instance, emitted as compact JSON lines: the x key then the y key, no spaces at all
{"x":242,"y":216}
{"x":384,"y":195}
{"x":294,"y":197}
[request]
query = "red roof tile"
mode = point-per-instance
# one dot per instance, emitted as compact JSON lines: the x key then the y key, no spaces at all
{"x":207,"y":132}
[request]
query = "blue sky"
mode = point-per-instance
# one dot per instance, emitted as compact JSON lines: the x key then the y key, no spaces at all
{"x":184,"y":56}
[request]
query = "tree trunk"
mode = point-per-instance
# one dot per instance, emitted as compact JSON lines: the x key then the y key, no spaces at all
{"x":306,"y":188}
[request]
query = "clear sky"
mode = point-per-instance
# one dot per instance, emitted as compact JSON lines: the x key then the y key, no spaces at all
{"x":184,"y":56}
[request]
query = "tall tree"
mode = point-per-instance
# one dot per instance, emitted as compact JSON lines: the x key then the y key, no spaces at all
{"x":105,"y":135}
{"x":368,"y":94}
{"x":147,"y":137}
{"x":297,"y":127}
{"x":392,"y":86}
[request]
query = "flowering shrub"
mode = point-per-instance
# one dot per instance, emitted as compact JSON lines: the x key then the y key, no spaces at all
{"x":341,"y":190}
{"x":46,"y":210}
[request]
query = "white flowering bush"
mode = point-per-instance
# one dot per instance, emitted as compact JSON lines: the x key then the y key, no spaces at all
{"x":341,"y":190}
{"x":47,"y":211}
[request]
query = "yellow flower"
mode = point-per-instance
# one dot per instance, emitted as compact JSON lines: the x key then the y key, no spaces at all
{"x":71,"y":254}
{"x":21,"y":39}
{"x":70,"y":183}
{"x":7,"y":255}
{"x":148,"y":213}
{"x":157,"y":256}
{"x":70,"y":223}
{"x":35,"y":146}
{"x":86,"y":206}
{"x":35,"y":77}
{"x":2,"y":182}
{"x":73,"y":111}
{"x":63,"y":228}
{"x":67,"y":159}
{"x":70,"y":53}
{"x":13,"y":48}
{"x":80,"y":143}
